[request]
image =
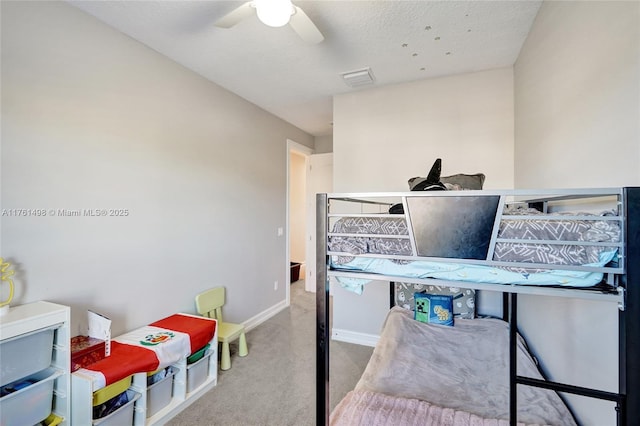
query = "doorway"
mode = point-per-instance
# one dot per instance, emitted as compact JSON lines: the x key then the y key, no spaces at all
{"x":307,"y":174}
{"x":297,"y":164}
{"x":319,"y":180}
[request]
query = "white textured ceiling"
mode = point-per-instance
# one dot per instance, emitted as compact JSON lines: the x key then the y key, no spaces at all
{"x":273,"y":68}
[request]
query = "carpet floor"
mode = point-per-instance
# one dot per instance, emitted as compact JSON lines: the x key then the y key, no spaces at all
{"x":275,"y":384}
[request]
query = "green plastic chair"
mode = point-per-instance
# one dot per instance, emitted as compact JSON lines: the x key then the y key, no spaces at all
{"x":209,"y":304}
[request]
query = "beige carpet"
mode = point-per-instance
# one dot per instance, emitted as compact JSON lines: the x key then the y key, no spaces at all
{"x":275,"y":383}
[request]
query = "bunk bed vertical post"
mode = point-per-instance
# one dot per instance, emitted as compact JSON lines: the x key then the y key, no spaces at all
{"x":392,"y":294}
{"x":505,"y":307}
{"x":513,"y":363}
{"x":322,"y":312}
{"x":629,"y":324}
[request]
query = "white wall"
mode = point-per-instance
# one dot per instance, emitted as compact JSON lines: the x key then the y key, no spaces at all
{"x":577,"y":124}
{"x":384,"y":136}
{"x":94,"y":120}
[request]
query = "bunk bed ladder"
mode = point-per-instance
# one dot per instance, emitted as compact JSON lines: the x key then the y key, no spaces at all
{"x":515,"y":379}
{"x":628,"y":397}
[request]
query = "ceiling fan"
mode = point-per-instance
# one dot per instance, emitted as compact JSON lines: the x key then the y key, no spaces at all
{"x":275,"y":13}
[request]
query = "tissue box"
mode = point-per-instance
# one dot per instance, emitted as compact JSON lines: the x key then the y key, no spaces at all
{"x":85,"y":351}
{"x":100,"y":328}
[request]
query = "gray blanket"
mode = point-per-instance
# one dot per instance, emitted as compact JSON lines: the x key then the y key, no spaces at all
{"x":465,"y":367}
{"x":363,"y":408}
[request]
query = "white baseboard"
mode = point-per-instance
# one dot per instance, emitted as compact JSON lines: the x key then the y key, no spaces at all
{"x":354,"y":337}
{"x":256,"y":320}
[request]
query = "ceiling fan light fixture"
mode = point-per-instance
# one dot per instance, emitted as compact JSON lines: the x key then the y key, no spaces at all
{"x":274,"y":13}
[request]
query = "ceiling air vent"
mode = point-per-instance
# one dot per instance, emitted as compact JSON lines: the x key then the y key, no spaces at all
{"x":358,"y":77}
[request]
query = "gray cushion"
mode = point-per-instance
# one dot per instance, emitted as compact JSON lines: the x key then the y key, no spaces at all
{"x":462,"y":181}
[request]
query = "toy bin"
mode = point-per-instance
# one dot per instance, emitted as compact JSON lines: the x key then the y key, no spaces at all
{"x":197,"y":355}
{"x":25,"y":355}
{"x":52,"y":420}
{"x":160,"y":390}
{"x":123,"y":416}
{"x":28,"y":401}
{"x":102,"y":395}
{"x":197,"y":372}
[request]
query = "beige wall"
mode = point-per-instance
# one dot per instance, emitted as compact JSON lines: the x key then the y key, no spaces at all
{"x":323,"y":144}
{"x":384,"y":136}
{"x":297,"y":207}
{"x":577,"y":124}
{"x":94,"y":120}
{"x":577,"y":90}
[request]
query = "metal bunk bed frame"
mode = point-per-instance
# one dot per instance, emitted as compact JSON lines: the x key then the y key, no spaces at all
{"x":627,"y":398}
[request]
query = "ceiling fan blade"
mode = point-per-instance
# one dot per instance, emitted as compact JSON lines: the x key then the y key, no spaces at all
{"x":236,"y":15}
{"x":305,"y":27}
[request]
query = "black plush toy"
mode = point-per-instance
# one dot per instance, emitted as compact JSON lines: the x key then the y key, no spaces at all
{"x":430,"y":183}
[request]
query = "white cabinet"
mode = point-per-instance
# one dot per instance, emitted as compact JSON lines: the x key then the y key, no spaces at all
{"x":35,"y":347}
{"x":188,"y":383}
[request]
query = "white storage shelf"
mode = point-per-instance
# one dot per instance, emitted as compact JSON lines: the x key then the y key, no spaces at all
{"x":182,"y":394}
{"x":31,"y":323}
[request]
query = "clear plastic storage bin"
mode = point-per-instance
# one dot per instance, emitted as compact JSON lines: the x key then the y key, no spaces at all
{"x":123,"y":416}
{"x":160,"y":392}
{"x":30,"y":399}
{"x":25,"y":355}
{"x":197,"y":372}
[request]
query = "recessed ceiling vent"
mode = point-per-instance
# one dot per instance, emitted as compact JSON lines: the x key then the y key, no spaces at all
{"x":358,"y":78}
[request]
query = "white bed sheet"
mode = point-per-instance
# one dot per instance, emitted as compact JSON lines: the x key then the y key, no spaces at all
{"x":466,"y":273}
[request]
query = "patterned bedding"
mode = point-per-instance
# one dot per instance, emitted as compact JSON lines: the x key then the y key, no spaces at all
{"x":462,"y":368}
{"x":594,"y":231}
{"x":570,"y":230}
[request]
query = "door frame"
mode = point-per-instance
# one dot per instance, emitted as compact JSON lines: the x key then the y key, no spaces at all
{"x":305,"y":151}
{"x":316,"y":183}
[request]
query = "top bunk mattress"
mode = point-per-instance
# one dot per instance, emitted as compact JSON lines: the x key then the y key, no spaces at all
{"x":383,"y":245}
